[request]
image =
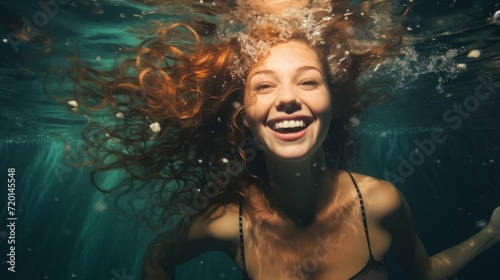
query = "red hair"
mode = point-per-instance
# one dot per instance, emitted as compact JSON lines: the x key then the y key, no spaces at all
{"x":186,"y":88}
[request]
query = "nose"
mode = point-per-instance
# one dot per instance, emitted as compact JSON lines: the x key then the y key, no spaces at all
{"x":287,"y":101}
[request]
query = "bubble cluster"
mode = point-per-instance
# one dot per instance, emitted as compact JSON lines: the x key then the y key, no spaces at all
{"x":310,"y":22}
{"x":411,"y":65}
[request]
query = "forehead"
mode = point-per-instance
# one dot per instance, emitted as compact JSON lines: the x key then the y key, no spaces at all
{"x":274,"y":6}
{"x":288,"y":55}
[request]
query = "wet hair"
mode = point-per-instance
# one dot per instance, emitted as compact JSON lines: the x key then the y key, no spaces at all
{"x":347,"y":47}
{"x":172,"y":116}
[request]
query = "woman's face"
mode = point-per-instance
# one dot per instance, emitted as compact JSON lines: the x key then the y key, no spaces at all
{"x":276,"y":6}
{"x":287,"y":101}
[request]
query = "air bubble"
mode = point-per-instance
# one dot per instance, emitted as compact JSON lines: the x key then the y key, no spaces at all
{"x":474,"y":54}
{"x":73,"y":103}
{"x":462,"y":66}
{"x":496,"y":17}
{"x":100,"y":206}
{"x":155,"y":127}
{"x":236,"y":105}
{"x":480,"y":224}
{"x":354,"y":121}
{"x":122,"y":15}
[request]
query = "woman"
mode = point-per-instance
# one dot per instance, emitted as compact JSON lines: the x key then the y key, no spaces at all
{"x":288,"y":210}
{"x":327,"y":224}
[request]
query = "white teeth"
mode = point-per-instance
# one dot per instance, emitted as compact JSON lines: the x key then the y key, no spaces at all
{"x":289,"y":124}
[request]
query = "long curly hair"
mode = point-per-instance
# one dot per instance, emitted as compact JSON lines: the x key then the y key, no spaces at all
{"x":171,"y":117}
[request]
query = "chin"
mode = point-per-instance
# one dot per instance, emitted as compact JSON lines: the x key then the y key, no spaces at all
{"x":291,"y":154}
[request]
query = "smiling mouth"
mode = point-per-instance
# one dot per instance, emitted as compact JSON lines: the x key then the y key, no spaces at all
{"x":289,"y":126}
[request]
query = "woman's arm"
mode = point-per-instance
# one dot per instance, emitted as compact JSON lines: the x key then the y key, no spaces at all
{"x":450,"y":261}
{"x":411,"y":254}
{"x":215,"y":232}
{"x":160,"y":260}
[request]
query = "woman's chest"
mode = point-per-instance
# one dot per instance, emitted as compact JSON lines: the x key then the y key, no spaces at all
{"x":334,"y":250}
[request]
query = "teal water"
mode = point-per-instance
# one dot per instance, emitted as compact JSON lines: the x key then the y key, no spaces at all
{"x":66,"y":230}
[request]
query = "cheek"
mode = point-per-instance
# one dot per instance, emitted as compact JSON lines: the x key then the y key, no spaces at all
{"x":252,"y":116}
{"x":249,"y":107}
{"x":328,"y":109}
{"x":321,"y":106}
{"x":254,"y":110}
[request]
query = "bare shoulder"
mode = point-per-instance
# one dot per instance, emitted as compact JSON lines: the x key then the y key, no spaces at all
{"x":216,"y":230}
{"x":220,"y":223}
{"x":381,"y":197}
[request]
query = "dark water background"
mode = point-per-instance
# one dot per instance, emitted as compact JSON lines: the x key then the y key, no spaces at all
{"x":65,"y":230}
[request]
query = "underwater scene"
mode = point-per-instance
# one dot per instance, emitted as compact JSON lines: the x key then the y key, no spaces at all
{"x":437,"y":139}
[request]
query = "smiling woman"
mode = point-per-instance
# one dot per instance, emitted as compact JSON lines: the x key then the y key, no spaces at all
{"x":292,"y":83}
{"x":287,"y":101}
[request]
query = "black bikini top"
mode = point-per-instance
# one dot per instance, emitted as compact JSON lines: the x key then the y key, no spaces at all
{"x":373,"y":270}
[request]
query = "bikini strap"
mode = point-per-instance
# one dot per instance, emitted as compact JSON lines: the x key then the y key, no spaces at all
{"x":242,"y":244}
{"x":363,"y":214}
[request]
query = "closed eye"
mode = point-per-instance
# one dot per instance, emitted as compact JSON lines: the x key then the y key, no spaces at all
{"x":263,"y":88}
{"x":309,"y":84}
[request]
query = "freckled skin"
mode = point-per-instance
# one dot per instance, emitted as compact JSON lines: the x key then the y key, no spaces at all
{"x":283,"y":86}
{"x":276,"y":6}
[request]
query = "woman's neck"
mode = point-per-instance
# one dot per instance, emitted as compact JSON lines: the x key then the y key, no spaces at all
{"x":297,"y":187}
